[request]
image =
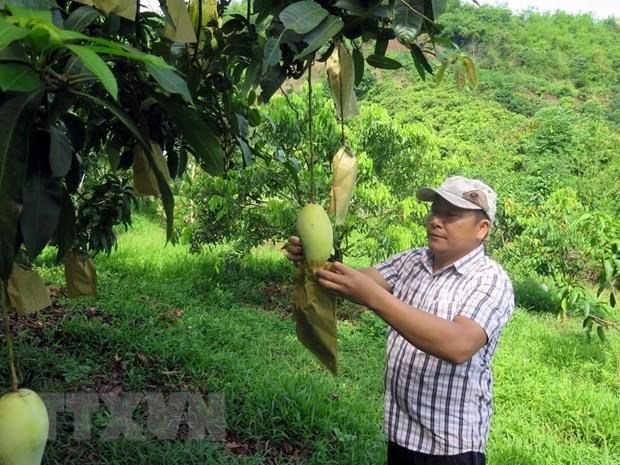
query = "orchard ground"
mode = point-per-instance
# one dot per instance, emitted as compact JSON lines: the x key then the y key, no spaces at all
{"x":167,"y":321}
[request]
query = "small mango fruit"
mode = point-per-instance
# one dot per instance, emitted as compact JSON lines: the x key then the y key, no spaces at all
{"x":24,"y":426}
{"x":315,"y":231}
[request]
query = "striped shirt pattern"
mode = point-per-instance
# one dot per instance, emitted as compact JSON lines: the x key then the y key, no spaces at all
{"x":431,"y":405}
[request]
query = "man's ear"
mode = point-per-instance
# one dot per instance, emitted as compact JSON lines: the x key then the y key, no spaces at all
{"x":483,"y":229}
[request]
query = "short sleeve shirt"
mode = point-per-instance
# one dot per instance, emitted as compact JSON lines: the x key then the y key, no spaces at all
{"x":431,"y":405}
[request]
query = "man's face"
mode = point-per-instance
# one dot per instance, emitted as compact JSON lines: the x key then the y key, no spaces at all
{"x":453,"y":232}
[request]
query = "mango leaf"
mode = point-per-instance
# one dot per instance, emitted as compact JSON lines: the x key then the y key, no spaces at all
{"x":245,"y":151}
{"x":420,"y":61}
{"x":381,"y":44}
{"x":601,"y":333}
{"x":39,"y":217}
{"x":205,"y":145}
{"x":10,"y":33}
{"x":16,"y":115}
{"x":408,"y":19}
{"x":32,"y":4}
{"x":98,"y":67}
{"x":355,"y":7}
{"x":358,"y":64}
{"x":302,"y":17}
{"x":30,"y":13}
{"x":66,"y":232}
{"x":170,"y":81}
{"x":19,"y":78}
{"x":270,"y":82}
{"x":164,"y":188}
{"x":470,"y":71}
{"x":316,"y":38}
{"x":61,"y":152}
{"x":382,"y":62}
{"x":81,"y":18}
{"x":109,"y":48}
{"x":272,"y":53}
{"x":608,"y":266}
{"x":440,"y":74}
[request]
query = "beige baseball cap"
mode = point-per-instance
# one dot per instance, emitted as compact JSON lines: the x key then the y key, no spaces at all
{"x":463,"y":192}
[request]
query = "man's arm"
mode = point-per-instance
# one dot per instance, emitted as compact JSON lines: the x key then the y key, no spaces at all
{"x":455,"y":341}
{"x":377,"y":277}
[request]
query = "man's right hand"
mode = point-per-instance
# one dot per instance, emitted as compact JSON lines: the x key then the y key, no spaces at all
{"x":294,"y":250}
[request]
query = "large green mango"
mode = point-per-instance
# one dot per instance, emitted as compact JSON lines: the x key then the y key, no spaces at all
{"x":24,"y":427}
{"x":316,"y":234}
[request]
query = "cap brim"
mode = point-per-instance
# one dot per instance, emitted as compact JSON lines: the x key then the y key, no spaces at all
{"x":428,"y":194}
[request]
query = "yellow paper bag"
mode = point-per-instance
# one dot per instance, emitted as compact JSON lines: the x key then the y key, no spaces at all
{"x":27,"y":293}
{"x":80,"y":275}
{"x":315,"y":317}
{"x":125,"y":8}
{"x":344,"y":174}
{"x":181,"y":29}
{"x":144,"y":179}
{"x":341,"y":78}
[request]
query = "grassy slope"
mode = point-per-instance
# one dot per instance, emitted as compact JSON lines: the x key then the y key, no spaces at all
{"x":557,"y":397}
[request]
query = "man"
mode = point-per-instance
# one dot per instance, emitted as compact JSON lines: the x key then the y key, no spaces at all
{"x":445,"y":305}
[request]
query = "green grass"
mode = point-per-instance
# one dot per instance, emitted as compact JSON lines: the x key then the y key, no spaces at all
{"x":170,"y":321}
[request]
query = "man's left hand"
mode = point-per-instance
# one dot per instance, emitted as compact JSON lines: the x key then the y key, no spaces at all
{"x":350,"y":284}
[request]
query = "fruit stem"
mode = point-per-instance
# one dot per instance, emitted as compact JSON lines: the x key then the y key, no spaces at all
{"x":311,"y":161}
{"x":9,"y":340}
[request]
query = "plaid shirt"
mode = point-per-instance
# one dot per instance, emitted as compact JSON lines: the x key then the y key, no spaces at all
{"x":431,"y":405}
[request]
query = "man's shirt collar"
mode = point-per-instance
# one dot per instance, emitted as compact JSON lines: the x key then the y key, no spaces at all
{"x":462,"y":265}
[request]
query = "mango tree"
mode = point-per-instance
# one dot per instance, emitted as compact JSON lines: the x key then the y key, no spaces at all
{"x":90,"y":89}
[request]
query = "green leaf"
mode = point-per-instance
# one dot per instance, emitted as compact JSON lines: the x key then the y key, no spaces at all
{"x":272,"y":53}
{"x":381,"y":44}
{"x":121,"y":116}
{"x":109,"y":48}
{"x":601,"y":333}
{"x":612,"y":298}
{"x":81,"y":18}
{"x":587,"y":323}
{"x":355,"y":7}
{"x":98,"y":67}
{"x":61,"y":152}
{"x":382,"y":62}
{"x":358,"y":65}
{"x":30,"y":13}
{"x":170,"y":81}
{"x":415,"y":54}
{"x":302,"y":17}
{"x":270,"y":82}
{"x":470,"y":71}
{"x":608,"y":267}
{"x":39,"y":217}
{"x":32,"y":4}
{"x":18,"y":78}
{"x":407,"y":22}
{"x":16,"y":116}
{"x":602,"y":283}
{"x":205,"y":145}
{"x":10,"y":33}
{"x":420,"y":59}
{"x":315,"y":39}
{"x":164,"y":188}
